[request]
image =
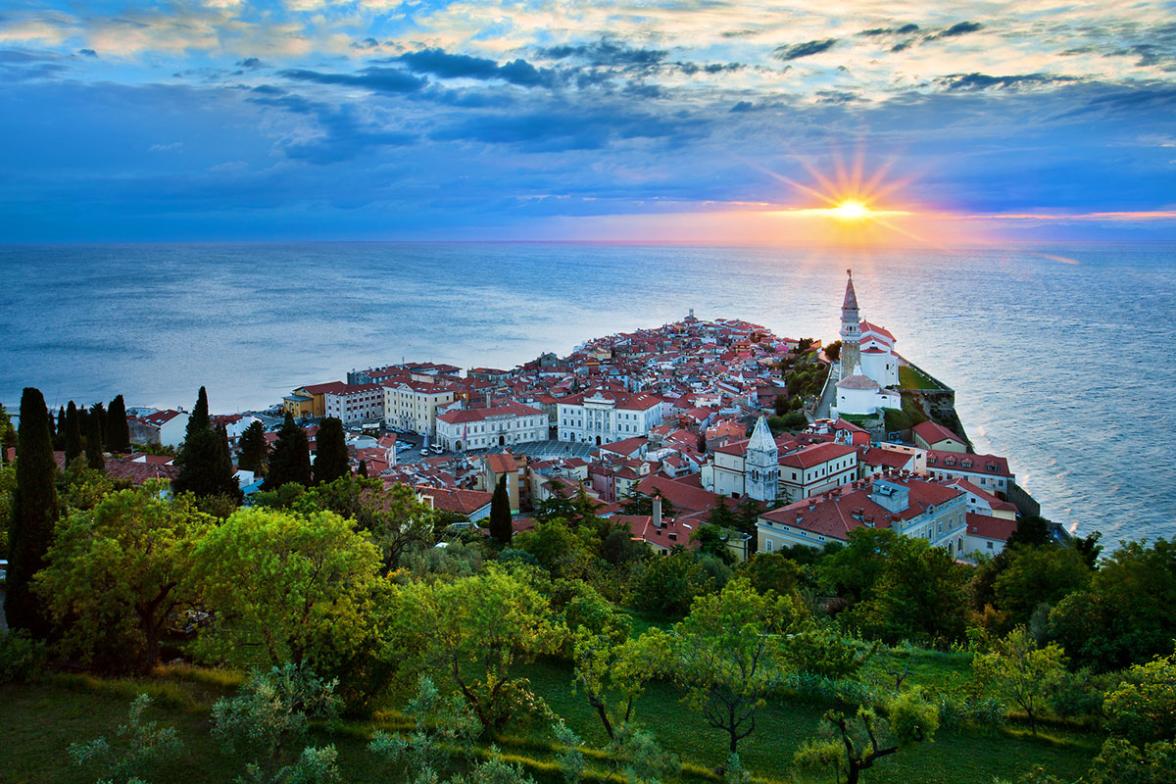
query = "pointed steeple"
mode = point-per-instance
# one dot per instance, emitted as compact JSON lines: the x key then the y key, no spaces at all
{"x":761,"y":437}
{"x":850,"y":301}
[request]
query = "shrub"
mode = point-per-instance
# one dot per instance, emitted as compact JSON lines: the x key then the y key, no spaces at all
{"x":22,"y":658}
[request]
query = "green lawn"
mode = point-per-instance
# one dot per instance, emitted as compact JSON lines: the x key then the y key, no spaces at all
{"x":911,"y":378}
{"x":41,"y":720}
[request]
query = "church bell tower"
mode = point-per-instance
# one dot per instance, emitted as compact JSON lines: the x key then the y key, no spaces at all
{"x":851,"y":329}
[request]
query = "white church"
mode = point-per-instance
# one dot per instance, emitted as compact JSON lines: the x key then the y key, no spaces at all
{"x":869,"y":367}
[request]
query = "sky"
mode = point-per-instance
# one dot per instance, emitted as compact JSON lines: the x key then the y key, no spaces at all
{"x":629,"y":120}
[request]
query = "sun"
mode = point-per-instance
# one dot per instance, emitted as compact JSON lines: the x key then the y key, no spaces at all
{"x":850,"y":210}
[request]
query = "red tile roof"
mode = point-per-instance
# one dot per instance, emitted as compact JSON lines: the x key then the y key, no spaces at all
{"x":461,"y":416}
{"x":815,"y":455}
{"x":933,"y":433}
{"x":990,"y":465}
{"x":986,"y":527}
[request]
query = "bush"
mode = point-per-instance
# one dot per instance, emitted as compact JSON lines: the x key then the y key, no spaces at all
{"x":22,"y":659}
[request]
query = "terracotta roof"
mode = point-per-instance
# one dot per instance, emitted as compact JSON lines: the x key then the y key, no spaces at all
{"x":684,"y":496}
{"x":815,"y":455}
{"x":457,"y":500}
{"x":502,"y":463}
{"x":983,"y":495}
{"x":626,"y":446}
{"x":464,"y":415}
{"x":933,"y":433}
{"x":322,"y":389}
{"x":866,"y":326}
{"x":986,"y":527}
{"x":857,"y":381}
{"x":836,"y":513}
{"x":990,"y":465}
{"x":887,"y":457}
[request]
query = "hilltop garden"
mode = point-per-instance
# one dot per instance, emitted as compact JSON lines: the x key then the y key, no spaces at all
{"x":337,"y":629}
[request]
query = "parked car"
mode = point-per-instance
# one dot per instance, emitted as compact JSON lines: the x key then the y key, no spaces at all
{"x":425,"y":452}
{"x":438,"y":449}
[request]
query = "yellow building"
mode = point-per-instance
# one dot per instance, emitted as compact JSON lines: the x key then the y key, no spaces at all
{"x":310,"y":400}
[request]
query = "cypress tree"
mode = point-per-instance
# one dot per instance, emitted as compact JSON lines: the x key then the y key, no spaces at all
{"x":204,"y":462}
{"x":290,"y":461}
{"x":118,"y":432}
{"x":59,"y":431}
{"x":73,"y":433}
{"x":94,"y":457}
{"x":34,"y":513}
{"x":331,"y":460}
{"x":500,"y":528}
{"x":99,"y":411}
{"x":253,"y":451}
{"x":362,"y":470}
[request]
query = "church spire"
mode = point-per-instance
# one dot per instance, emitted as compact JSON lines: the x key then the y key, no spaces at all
{"x":850,"y":301}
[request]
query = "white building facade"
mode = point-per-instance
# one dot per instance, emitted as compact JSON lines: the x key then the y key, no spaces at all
{"x":602,"y":416}
{"x":481,"y":428}
{"x":815,"y":469}
{"x":355,"y":404}
{"x":413,"y":406}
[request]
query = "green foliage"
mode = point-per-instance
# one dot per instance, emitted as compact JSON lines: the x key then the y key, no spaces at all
{"x":270,"y":716}
{"x":848,"y":745}
{"x":1121,"y":762}
{"x":904,"y":588}
{"x":787,"y":423}
{"x":476,"y":630}
{"x":443,"y":728}
{"x":1038,"y":575}
{"x":118,"y":432}
{"x":1127,"y":615}
{"x":204,"y":462}
{"x":84,"y":487}
{"x":22,"y":658}
{"x":833,"y":351}
{"x":667,"y":585}
{"x":73,"y":432}
{"x":557,"y":548}
{"x":712,"y":540}
{"x":727,"y":654}
{"x":500,"y":527}
{"x":287,"y":588}
{"x":7,"y":491}
{"x":821,"y":650}
{"x":94,"y":458}
{"x":331,"y":460}
{"x":34,"y":513}
{"x":774,"y":571}
{"x":253,"y":452}
{"x":138,"y":744}
{"x":290,"y":459}
{"x":638,"y":758}
{"x":1020,"y":672}
{"x":118,"y":576}
{"x":1142,"y":708}
{"x":613,"y":671}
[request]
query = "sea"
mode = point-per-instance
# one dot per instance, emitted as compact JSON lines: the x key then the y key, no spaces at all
{"x":1063,"y":358}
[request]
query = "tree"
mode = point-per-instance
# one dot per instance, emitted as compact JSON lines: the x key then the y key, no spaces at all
{"x":361,"y":470}
{"x":253,"y":452}
{"x":206,"y":469}
{"x":94,"y":457}
{"x":773,"y":571}
{"x":290,"y":459}
{"x":118,"y":432}
{"x":117,"y":576}
{"x":712,"y":540}
{"x":394,"y":518}
{"x":73,"y":433}
{"x":284,"y":588}
{"x":833,"y":351}
{"x":331,"y":459}
{"x":501,"y":530}
{"x":58,"y":432}
{"x":1142,"y":708}
{"x":270,"y":718}
{"x":919,"y":593}
{"x":667,"y":586}
{"x":34,"y":514}
{"x":1021,"y":672}
{"x":1034,"y":576}
{"x":851,"y":744}
{"x":1121,"y":762}
{"x":8,"y":434}
{"x":727,"y":655}
{"x":138,"y":743}
{"x":613,"y":672}
{"x":441,"y":726}
{"x":476,"y":629}
{"x":1127,"y":615}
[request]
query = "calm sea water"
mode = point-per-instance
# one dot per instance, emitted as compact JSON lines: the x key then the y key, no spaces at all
{"x":1062,"y":360}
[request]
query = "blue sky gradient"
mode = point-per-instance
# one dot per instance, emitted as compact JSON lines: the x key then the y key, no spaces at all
{"x":315,"y":119}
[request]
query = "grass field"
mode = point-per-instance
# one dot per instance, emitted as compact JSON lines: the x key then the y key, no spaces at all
{"x":911,"y":378}
{"x":40,"y":721}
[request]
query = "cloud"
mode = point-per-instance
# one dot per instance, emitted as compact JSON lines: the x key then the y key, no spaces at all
{"x":607,"y":52}
{"x":250,"y":63}
{"x":979,"y":81}
{"x":806,"y":49}
{"x":87,"y":53}
{"x":443,"y":65}
{"x":960,"y":28}
{"x":900,"y":30}
{"x":376,"y":79}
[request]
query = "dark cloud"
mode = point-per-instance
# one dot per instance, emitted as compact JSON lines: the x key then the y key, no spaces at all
{"x":806,"y":49}
{"x":707,"y":68}
{"x":21,"y":65}
{"x":381,"y":80}
{"x":607,"y":52}
{"x":837,"y":97}
{"x":250,"y":63}
{"x":960,"y":28}
{"x":444,"y":65}
{"x":87,"y":53}
{"x":365,"y":43}
{"x":979,"y":81}
{"x":901,"y":30}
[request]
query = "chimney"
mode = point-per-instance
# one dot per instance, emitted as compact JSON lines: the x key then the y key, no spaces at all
{"x":657,"y":510}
